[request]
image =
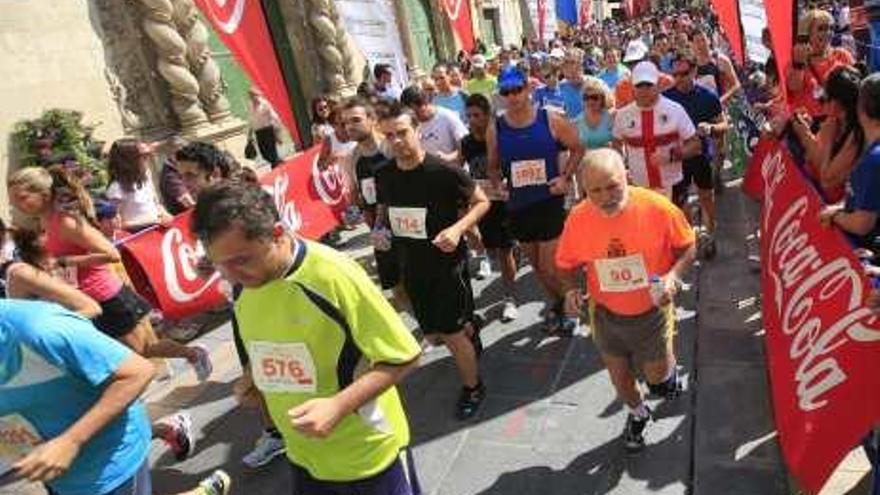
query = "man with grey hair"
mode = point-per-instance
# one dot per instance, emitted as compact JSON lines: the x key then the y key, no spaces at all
{"x":634,"y":246}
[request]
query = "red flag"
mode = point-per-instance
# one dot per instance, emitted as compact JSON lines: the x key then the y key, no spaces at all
{"x":162,"y":261}
{"x":781,"y":25}
{"x":542,"y":14}
{"x":728,"y":17}
{"x":241,"y":25}
{"x":586,"y":13}
{"x":822,"y":338}
{"x":459,"y":14}
{"x":629,"y":8}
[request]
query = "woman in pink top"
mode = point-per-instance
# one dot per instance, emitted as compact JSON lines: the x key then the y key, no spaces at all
{"x":67,"y":215}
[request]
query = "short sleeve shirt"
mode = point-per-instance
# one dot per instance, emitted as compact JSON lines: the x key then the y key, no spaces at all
{"x":54,"y":366}
{"x":138,"y":206}
{"x":573,"y":98}
{"x":311,"y":334}
{"x":701,"y":105}
{"x":863,"y":190}
{"x":650,"y":135}
{"x":485,"y":86}
{"x":442,"y":133}
{"x":454,"y":101}
{"x":619,"y":254}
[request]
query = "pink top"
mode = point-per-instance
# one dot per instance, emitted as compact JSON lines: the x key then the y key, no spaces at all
{"x":97,"y":281}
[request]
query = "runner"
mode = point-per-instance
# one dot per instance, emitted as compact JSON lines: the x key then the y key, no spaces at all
{"x":440,"y":129}
{"x":448,"y":96}
{"x":495,"y":226}
{"x":622,"y":238}
{"x":524,"y":146}
{"x":704,"y":109}
{"x":480,"y":81}
{"x":656,"y":133}
{"x":327,"y":371}
{"x":421,"y":199}
{"x":572,"y":87}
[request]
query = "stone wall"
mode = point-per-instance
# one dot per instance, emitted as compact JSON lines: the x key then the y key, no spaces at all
{"x":52,"y":57}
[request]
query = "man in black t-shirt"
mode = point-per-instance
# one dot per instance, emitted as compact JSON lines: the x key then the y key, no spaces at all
{"x":420,"y":197}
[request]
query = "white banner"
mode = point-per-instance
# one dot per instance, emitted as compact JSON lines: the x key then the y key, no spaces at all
{"x":754,"y":18}
{"x":372,"y":26}
{"x":549,"y":7}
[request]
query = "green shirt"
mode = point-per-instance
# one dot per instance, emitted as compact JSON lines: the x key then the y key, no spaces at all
{"x":484,"y":87}
{"x":307,"y":336}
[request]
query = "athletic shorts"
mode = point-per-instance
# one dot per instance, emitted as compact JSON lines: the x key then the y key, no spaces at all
{"x":642,"y":338}
{"x":139,"y":484}
{"x":495,"y":227}
{"x":441,"y":295}
{"x":398,"y":479}
{"x":697,"y":172}
{"x":539,"y":222}
{"x":388,"y":267}
{"x":121,"y":313}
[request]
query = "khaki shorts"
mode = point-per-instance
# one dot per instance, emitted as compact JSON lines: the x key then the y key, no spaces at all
{"x":642,"y":338}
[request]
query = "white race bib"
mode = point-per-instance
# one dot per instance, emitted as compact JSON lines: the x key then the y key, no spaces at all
{"x":368,"y":190}
{"x":408,"y":222}
{"x":622,"y":274}
{"x":528,"y":173}
{"x":283,"y":368}
{"x":18,"y":437}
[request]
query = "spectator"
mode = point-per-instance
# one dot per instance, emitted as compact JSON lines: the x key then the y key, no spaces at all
{"x":265,"y":126}
{"x":803,"y":86}
{"x":321,"y":127}
{"x":174,"y":194}
{"x":131,"y":186}
{"x":818,"y":26}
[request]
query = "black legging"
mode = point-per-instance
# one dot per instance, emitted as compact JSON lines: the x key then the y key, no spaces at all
{"x":266,"y":142}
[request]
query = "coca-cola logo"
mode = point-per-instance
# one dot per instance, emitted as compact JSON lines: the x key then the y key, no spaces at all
{"x":179,"y":260}
{"x":226,"y":18}
{"x":452,"y":8}
{"x":286,"y":207}
{"x":329,"y":183}
{"x":810,"y":288}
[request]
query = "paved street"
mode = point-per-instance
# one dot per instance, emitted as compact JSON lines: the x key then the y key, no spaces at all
{"x":551,"y":423}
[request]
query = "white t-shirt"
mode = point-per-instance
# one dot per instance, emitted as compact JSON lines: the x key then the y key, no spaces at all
{"x":443,"y":132}
{"x":138,"y":207}
{"x":669,"y":126}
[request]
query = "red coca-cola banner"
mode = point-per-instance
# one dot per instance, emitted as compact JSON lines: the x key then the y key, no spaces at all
{"x":162,"y":261}
{"x":241,"y":26}
{"x":781,"y":25}
{"x":823,"y":342}
{"x":728,"y":17}
{"x":459,"y":14}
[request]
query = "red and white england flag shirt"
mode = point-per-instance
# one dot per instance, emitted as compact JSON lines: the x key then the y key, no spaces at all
{"x":650,"y":135}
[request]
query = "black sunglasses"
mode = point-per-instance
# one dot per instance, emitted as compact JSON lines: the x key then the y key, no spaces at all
{"x":511,"y":91}
{"x":644,"y":85}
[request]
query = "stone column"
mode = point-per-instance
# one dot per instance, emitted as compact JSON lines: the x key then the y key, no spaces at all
{"x":172,"y":64}
{"x":200,"y":61}
{"x":330,"y":41}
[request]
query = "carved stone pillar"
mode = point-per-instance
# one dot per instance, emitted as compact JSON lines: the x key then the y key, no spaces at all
{"x":330,"y":40}
{"x":172,"y":64}
{"x":202,"y":65}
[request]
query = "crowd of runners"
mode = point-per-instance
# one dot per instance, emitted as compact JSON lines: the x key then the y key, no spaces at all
{"x":596,"y":166}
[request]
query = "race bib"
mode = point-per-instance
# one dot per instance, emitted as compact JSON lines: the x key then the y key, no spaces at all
{"x":622,"y":274}
{"x":368,"y":190}
{"x":283,"y":368}
{"x":18,"y":437}
{"x":528,"y":173}
{"x":408,"y":222}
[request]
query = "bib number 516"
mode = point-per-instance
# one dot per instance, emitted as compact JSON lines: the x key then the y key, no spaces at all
{"x":285,"y":369}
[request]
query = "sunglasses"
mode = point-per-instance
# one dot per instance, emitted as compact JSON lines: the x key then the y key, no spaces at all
{"x":593,"y":97}
{"x":644,"y":85}
{"x":511,"y":91}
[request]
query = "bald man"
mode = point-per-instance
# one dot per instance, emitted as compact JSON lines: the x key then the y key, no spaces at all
{"x":634,"y":246}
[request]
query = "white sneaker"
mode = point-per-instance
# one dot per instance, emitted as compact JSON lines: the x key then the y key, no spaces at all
{"x":485,"y":269}
{"x":509,"y":312}
{"x":266,"y":448}
{"x":202,"y":365}
{"x":216,"y":484}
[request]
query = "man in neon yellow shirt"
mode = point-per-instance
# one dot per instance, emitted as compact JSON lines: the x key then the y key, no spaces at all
{"x":480,"y":81}
{"x":325,"y":347}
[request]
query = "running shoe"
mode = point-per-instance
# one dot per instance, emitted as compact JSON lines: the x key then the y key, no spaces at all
{"x":469,"y":401}
{"x":202,"y":364}
{"x":216,"y":484}
{"x":178,"y":435}
{"x":567,"y":325}
{"x":509,"y":312}
{"x":485,"y":269}
{"x":267,"y":448}
{"x":633,"y":433}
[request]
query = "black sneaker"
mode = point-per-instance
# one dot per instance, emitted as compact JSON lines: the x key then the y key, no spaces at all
{"x":469,"y":401}
{"x":677,"y":389}
{"x":633,"y":433}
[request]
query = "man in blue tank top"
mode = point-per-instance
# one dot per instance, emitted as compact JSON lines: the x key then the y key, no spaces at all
{"x":523,"y":146}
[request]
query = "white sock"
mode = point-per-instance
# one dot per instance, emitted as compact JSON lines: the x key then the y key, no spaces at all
{"x":640,"y":411}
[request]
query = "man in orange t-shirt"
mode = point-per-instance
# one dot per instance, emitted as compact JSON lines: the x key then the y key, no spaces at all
{"x":622,"y":238}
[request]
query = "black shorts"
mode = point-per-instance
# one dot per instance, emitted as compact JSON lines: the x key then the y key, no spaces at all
{"x":495,"y":227}
{"x":697,"y":172}
{"x":397,"y":479}
{"x":388,"y":267}
{"x":121,"y":313}
{"x":441,"y":294}
{"x":539,"y":222}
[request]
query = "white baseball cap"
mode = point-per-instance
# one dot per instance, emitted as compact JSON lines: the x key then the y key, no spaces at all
{"x":478,"y":61}
{"x":557,"y":53}
{"x":645,"y":72}
{"x":635,"y":50}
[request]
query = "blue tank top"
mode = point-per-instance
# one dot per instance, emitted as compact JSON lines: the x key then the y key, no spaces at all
{"x":529,"y":158}
{"x":595,"y":137}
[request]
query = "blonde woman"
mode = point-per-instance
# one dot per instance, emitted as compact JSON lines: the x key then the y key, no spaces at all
{"x":594,"y":124}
